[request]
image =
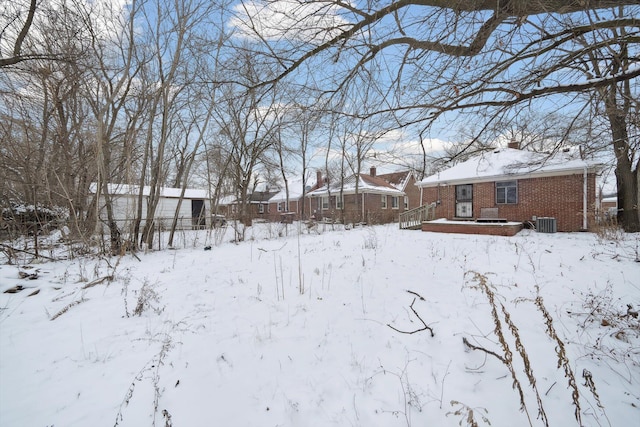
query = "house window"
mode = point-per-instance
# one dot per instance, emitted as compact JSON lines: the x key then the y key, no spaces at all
{"x":406,"y":203}
{"x":394,"y":202}
{"x":325,"y":202}
{"x":260,"y":208}
{"x":507,"y":192}
{"x":338,"y":202}
{"x":280,"y":206}
{"x":383,"y":200}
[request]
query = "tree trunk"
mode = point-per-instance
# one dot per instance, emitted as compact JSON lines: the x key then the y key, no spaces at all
{"x":626,"y":176}
{"x":104,"y":168}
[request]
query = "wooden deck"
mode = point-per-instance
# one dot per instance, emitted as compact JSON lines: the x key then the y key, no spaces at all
{"x":473,"y":227}
{"x":413,"y":219}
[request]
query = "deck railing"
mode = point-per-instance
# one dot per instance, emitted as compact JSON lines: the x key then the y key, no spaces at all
{"x":412,"y":219}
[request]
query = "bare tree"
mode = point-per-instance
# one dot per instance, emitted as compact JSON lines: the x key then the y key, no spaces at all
{"x":304,"y":125}
{"x":200,"y":125}
{"x":49,"y":151}
{"x":115,"y":65}
{"x":14,"y":33}
{"x":443,"y":59}
{"x":249,"y":124}
{"x":173,"y":41}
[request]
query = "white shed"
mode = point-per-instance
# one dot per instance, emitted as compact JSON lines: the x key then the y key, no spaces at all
{"x":194,"y":210}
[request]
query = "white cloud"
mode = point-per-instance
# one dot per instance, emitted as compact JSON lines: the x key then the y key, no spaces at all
{"x":310,"y":22}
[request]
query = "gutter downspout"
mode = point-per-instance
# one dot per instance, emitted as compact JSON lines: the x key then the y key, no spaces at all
{"x":584,"y":199}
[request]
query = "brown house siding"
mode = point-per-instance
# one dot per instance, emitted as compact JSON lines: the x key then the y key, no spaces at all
{"x":558,"y":196}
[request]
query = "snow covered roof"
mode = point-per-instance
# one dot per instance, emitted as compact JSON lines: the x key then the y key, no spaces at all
{"x":295,"y":192}
{"x":506,"y":163}
{"x":133,"y":190}
{"x":227,"y":200}
{"x":398,"y":180}
{"x":366,"y":184}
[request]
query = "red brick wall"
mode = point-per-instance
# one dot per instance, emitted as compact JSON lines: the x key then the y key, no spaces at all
{"x":559,"y":197}
{"x":274,"y":215}
{"x":413,"y":192}
{"x":352,"y":212}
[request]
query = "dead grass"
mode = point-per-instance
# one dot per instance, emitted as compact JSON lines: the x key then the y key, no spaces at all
{"x":67,"y":307}
{"x":513,"y":354}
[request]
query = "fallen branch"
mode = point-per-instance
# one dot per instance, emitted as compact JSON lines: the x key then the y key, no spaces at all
{"x":424,"y":328}
{"x":475,"y":347}
{"x":416,"y":294}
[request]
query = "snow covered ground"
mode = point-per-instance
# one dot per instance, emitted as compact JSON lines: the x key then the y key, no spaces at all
{"x":312,"y":329}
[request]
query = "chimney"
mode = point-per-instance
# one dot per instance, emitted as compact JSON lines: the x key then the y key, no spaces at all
{"x":513,"y":144}
{"x":319,"y":178}
{"x":372,"y":171}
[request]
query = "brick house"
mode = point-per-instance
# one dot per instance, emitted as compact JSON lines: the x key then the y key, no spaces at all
{"x":377,"y":201}
{"x":257,"y":205}
{"x":608,"y":208}
{"x":516,"y":185}
{"x":295,"y":209}
{"x":404,"y":181}
{"x":280,"y":207}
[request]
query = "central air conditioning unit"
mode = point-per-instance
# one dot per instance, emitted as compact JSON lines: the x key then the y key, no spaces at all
{"x":546,"y":225}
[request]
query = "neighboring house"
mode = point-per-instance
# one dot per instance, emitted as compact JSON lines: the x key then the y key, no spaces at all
{"x":608,"y":208}
{"x":404,"y":181}
{"x":516,"y":185}
{"x":227,"y":206}
{"x":278,"y":208}
{"x":282,"y":208}
{"x":259,"y":204}
{"x":377,"y":201}
{"x":193,"y":213}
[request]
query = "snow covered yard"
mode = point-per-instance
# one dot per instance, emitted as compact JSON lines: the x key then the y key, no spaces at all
{"x":316,"y":330}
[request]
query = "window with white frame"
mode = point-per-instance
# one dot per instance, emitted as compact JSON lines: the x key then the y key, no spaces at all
{"x":325,"y":202}
{"x":406,"y":203}
{"x":383,"y":201}
{"x":339,"y":202}
{"x":507,"y":192}
{"x":394,"y":202}
{"x":280,"y":206}
{"x":260,"y":208}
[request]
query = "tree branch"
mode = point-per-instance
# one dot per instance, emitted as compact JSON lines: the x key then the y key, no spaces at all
{"x":424,"y":328}
{"x":502,"y":9}
{"x":17,"y":47}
